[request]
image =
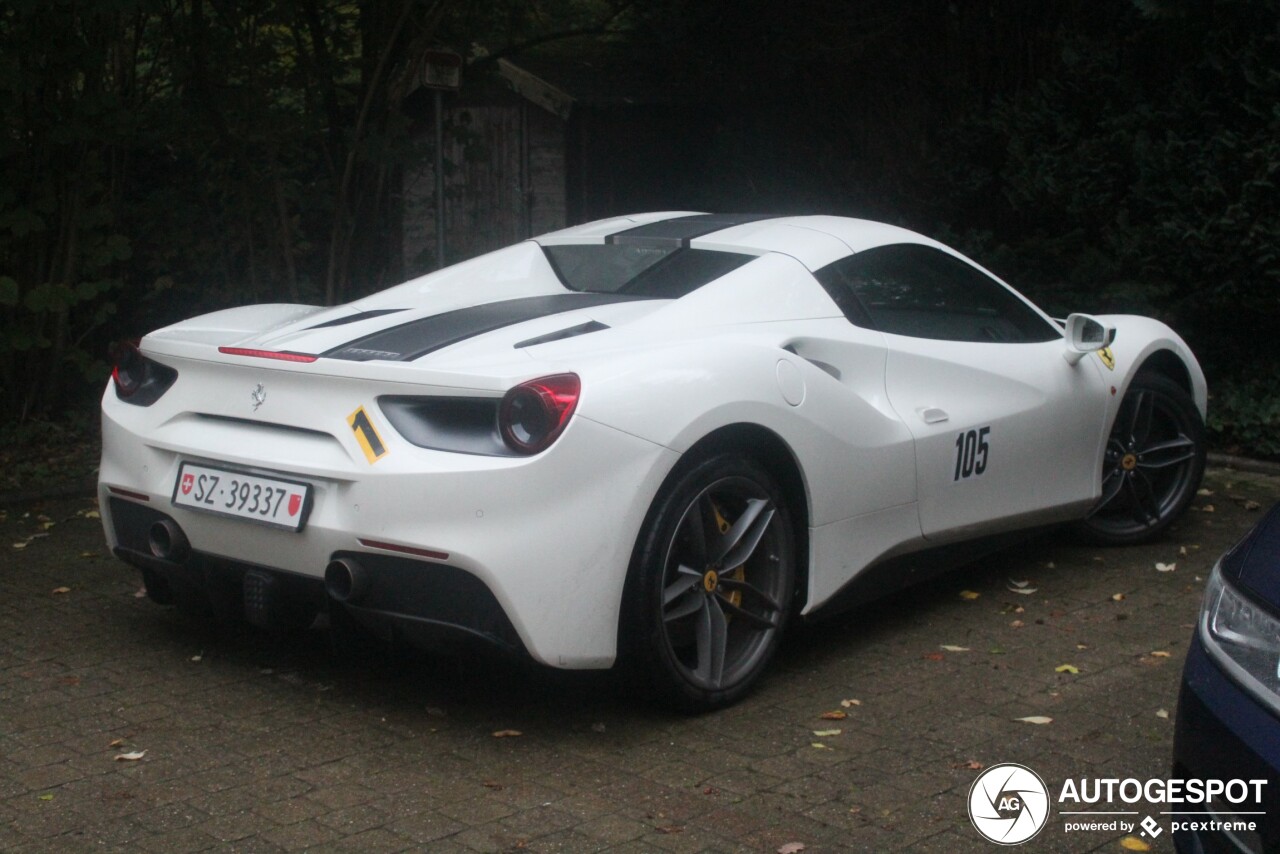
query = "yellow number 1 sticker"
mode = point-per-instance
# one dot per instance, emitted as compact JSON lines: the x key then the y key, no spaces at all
{"x":367,"y":435}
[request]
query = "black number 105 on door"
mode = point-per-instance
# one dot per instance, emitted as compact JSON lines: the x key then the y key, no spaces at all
{"x":971,"y":453}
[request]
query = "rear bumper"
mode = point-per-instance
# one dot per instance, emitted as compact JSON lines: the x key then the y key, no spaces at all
{"x":528,"y":553}
{"x":431,"y":605}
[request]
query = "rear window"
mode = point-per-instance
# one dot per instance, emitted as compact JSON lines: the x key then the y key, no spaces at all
{"x":657,"y":272}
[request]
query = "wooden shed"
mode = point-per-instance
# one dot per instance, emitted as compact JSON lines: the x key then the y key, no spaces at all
{"x":540,"y":143}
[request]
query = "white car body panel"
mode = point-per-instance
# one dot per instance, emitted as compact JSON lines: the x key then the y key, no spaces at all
{"x":1044,"y":417}
{"x":551,"y":535}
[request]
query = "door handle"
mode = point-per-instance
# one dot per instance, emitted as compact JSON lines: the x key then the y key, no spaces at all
{"x":933,"y":415}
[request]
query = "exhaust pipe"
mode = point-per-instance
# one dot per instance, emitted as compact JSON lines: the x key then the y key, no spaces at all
{"x":167,"y":541}
{"x":346,"y":581}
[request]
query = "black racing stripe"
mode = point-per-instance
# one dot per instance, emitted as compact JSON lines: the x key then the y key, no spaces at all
{"x":412,"y":340}
{"x":572,"y":332}
{"x":352,"y":318}
{"x":678,"y":232}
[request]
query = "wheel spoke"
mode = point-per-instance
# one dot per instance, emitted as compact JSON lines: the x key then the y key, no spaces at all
{"x":745,"y":535}
{"x":703,"y":530}
{"x":742,"y":586}
{"x":1165,"y":454}
{"x":1146,"y":507}
{"x":760,"y":622}
{"x":1112,"y":485}
{"x":1140,"y":418}
{"x":692,"y":602}
{"x":711,"y":635}
{"x":686,"y":580}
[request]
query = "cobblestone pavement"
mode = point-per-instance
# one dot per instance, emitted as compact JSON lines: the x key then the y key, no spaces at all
{"x":249,"y":742}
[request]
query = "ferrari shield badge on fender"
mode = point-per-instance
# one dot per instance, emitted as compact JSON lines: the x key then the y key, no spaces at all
{"x":367,"y":435}
{"x":1108,"y":358}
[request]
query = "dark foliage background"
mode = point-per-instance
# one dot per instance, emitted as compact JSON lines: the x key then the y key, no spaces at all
{"x":160,"y":158}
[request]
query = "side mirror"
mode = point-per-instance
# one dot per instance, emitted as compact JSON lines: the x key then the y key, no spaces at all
{"x":1085,"y":335}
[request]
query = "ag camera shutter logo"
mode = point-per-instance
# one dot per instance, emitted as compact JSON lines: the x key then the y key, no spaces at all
{"x":1008,"y":803}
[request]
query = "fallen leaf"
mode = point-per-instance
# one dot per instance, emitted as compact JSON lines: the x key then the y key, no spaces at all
{"x":835,"y":715}
{"x":140,"y":593}
{"x":974,"y":765}
{"x":21,"y":545}
{"x":1019,"y":583}
{"x":1017,"y":624}
{"x":1204,"y":493}
{"x":1163,"y":714}
{"x":1133,"y":843}
{"x":1023,"y":591}
{"x":671,"y":828}
{"x":949,"y":648}
{"x":1066,"y":668}
{"x":507,"y":733}
{"x":1208,"y":508}
{"x":1166,"y":567}
{"x":969,"y":595}
{"x":848,"y":703}
{"x":1082,"y":646}
{"x":1160,"y":653}
{"x":933,"y":656}
{"x":826,"y":733}
{"x":131,"y":757}
{"x":710,"y":790}
{"x":58,"y":591}
{"x":1182,"y":551}
{"x":791,"y":848}
{"x":1035,"y":719}
{"x":497,"y":787}
{"x":1252,"y":505}
{"x":93,"y":514}
{"x":817,"y":745}
{"x":48,"y":796}
{"x":119,"y":742}
{"x":197,"y":657}
{"x":1117,"y":597}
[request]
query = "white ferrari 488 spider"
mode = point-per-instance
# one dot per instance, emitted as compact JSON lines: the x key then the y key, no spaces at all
{"x":650,"y":440}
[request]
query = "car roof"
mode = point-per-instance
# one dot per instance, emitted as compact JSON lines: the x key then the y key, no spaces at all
{"x":815,"y":241}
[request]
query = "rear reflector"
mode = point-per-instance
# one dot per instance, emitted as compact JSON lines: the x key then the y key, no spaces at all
{"x":126,"y":493}
{"x":283,"y":356}
{"x":408,"y":550}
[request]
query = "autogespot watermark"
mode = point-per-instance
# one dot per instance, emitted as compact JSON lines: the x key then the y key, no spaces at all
{"x":1009,"y":804}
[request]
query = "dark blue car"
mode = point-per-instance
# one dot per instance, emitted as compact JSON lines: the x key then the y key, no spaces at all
{"x":1228,"y":724}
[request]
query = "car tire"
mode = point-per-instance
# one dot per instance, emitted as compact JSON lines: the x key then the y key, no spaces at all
{"x":711,"y":584}
{"x":1152,"y":464}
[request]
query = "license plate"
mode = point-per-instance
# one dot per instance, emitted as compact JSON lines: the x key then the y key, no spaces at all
{"x":227,"y":492}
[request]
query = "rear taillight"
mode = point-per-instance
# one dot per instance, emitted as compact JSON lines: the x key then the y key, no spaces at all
{"x":137,"y":379}
{"x":535,"y":413}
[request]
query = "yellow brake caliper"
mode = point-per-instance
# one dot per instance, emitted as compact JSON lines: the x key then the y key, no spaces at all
{"x":739,"y":574}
